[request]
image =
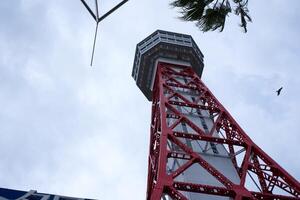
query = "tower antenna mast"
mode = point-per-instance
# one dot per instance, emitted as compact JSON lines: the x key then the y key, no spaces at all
{"x":99,"y":19}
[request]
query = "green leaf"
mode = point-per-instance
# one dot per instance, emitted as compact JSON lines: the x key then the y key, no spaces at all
{"x":210,"y":15}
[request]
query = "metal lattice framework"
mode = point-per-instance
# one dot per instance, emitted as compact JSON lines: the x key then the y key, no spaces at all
{"x":250,"y":162}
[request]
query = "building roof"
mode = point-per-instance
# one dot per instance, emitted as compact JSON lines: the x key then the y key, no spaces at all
{"x":11,"y":194}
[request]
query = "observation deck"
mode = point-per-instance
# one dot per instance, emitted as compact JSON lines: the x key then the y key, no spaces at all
{"x":164,"y":46}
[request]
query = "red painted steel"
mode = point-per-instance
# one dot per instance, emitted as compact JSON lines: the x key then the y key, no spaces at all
{"x":255,"y":161}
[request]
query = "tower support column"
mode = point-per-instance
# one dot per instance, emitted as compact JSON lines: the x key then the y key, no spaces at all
{"x":197,"y":150}
{"x":195,"y":145}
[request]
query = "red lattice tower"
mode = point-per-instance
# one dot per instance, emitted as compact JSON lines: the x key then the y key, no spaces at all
{"x":197,"y":150}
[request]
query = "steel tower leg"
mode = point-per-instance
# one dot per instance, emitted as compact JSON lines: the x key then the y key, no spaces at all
{"x":198,"y":151}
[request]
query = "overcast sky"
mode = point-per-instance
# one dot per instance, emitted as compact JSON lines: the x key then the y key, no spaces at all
{"x":69,"y":129}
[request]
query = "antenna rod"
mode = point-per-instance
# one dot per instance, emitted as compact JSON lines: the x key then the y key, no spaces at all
{"x":112,"y":10}
{"x":89,"y":9}
{"x":98,"y":19}
{"x":95,"y":38}
{"x":97,"y":9}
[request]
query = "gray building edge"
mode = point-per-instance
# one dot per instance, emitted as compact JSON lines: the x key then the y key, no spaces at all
{"x":11,"y":194}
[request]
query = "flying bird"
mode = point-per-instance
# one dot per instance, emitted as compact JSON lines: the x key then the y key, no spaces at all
{"x":279,"y":91}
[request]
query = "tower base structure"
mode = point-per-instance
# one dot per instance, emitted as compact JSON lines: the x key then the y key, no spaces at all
{"x":197,"y":150}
